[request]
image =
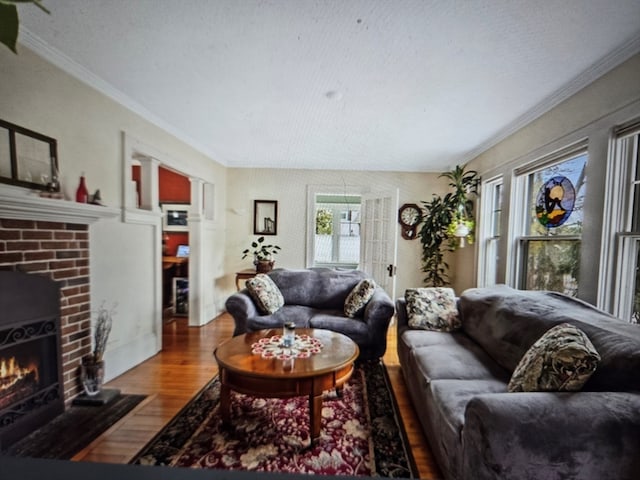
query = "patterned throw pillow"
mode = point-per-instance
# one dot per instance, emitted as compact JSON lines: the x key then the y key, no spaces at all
{"x":432,"y":308}
{"x":562,"y":359}
{"x":265,"y":293}
{"x":359,"y":297}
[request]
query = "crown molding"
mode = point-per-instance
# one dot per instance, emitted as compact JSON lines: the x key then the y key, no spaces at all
{"x":73,"y":68}
{"x":590,"y":75}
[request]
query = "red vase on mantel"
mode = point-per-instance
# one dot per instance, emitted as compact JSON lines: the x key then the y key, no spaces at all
{"x":82,"y":194}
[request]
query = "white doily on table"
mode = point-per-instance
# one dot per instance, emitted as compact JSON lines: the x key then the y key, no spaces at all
{"x":303,"y":347}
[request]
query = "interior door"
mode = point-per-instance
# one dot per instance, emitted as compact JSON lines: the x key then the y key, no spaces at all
{"x":379,"y":238}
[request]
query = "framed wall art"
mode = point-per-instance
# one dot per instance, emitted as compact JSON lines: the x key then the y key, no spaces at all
{"x":265,"y":217}
{"x":175,"y":216}
{"x":27,"y":158}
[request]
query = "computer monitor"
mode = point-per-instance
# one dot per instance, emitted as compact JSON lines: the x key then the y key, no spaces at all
{"x":183,"y":251}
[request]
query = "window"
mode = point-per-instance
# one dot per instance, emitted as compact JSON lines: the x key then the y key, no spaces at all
{"x":489,"y":231}
{"x":623,"y":186}
{"x":337,"y":230}
{"x":552,"y":199}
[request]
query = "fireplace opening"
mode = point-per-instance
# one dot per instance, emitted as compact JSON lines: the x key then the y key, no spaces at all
{"x":26,"y":369}
{"x":31,"y":391}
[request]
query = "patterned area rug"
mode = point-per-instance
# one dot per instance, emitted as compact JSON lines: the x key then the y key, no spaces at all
{"x":362,"y":433}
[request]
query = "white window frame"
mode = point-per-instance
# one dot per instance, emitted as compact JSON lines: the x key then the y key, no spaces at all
{"x":488,"y":240}
{"x":519,"y":214}
{"x":619,"y":242}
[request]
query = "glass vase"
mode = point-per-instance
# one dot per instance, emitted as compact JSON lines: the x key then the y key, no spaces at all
{"x":92,"y":376}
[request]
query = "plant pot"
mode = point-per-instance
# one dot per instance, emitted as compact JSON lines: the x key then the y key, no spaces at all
{"x":92,"y":376}
{"x":264,"y":266}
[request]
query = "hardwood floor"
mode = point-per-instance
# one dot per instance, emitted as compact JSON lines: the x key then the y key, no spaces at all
{"x":172,"y":377}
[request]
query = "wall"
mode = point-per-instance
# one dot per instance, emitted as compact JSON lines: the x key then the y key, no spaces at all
{"x":591,"y":113}
{"x":88,"y":127}
{"x":289,"y":188}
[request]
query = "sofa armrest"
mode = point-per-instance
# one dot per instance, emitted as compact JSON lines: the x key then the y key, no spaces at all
{"x":401,"y":314}
{"x":583,"y":435}
{"x":378,"y":312}
{"x":242,"y":308}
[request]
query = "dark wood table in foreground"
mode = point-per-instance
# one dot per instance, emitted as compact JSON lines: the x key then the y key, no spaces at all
{"x":248,"y":373}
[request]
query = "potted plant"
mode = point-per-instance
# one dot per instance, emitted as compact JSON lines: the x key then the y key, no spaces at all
{"x":447,"y":223}
{"x":262,"y":255}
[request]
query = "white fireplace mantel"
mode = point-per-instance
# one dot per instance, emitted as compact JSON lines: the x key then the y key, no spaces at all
{"x":16,"y":205}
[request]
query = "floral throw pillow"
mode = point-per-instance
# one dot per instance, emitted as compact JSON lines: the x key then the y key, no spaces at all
{"x":432,"y":308}
{"x":562,"y":359}
{"x":265,"y":293}
{"x":358,"y":297}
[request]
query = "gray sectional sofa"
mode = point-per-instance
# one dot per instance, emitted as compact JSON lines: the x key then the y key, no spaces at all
{"x":477,"y":430}
{"x":314,"y":298}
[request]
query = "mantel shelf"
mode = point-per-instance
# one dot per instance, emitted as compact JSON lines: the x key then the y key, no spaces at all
{"x":31,"y":207}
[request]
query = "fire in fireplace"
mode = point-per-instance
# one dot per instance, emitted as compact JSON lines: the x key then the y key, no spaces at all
{"x":16,"y":382}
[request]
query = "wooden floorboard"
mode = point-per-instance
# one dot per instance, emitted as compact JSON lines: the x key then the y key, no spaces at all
{"x":172,"y":377}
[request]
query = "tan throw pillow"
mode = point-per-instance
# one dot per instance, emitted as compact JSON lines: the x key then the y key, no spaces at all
{"x":432,"y":308}
{"x":265,"y":293}
{"x":562,"y":359}
{"x":358,"y":297}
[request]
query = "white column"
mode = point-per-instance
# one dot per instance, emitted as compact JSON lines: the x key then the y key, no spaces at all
{"x":196,"y":275}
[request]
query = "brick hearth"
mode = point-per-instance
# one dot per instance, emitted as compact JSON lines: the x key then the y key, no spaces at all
{"x":61,"y":252}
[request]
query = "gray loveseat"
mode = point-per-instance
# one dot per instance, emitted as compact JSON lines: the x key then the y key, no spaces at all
{"x":477,"y":430}
{"x":314,"y":298}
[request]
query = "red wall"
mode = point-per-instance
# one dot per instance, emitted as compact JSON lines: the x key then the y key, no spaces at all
{"x":174,"y":188}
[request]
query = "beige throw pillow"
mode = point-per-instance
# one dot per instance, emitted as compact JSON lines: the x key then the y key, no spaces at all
{"x":265,"y":293}
{"x":359,"y":297}
{"x":562,"y":359}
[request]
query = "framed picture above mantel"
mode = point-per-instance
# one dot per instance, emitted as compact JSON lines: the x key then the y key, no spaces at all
{"x":265,"y":217}
{"x":28,"y":159}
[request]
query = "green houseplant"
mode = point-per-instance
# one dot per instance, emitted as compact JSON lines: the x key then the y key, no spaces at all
{"x":446,"y":223}
{"x":262,"y":254}
{"x":9,"y":22}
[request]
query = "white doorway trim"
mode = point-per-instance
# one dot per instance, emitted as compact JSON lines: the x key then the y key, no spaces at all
{"x":312,"y":192}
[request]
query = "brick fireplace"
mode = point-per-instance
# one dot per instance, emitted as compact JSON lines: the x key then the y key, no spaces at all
{"x":61,"y":252}
{"x":50,"y":237}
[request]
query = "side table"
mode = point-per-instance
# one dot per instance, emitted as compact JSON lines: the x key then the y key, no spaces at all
{"x":244,"y":275}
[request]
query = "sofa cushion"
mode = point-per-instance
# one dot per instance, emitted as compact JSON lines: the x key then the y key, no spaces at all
{"x":445,"y":403}
{"x":358,"y":297}
{"x":323,"y":288}
{"x":432,"y":309}
{"x":298,"y":314}
{"x":562,"y":359}
{"x":412,"y":339}
{"x":467,"y":362}
{"x":506,"y":322}
{"x":265,"y":293}
{"x":335,"y":321}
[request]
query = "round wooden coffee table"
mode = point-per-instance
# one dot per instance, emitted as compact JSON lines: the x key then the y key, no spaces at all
{"x":249,"y":373}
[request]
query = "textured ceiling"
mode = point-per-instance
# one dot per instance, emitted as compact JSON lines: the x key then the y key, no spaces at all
{"x":376,"y":85}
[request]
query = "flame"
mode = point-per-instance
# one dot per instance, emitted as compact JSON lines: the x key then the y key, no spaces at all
{"x":11,"y":372}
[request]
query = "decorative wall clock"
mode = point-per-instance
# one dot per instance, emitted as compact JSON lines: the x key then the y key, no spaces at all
{"x":409,"y":216}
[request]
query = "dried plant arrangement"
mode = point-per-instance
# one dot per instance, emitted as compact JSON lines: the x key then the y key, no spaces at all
{"x":101,"y":333}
